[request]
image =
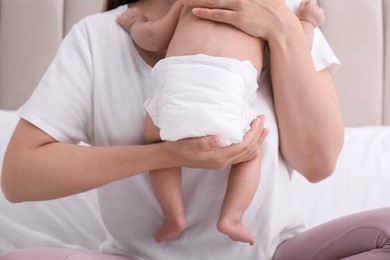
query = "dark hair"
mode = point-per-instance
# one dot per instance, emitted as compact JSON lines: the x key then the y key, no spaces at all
{"x":112,"y":4}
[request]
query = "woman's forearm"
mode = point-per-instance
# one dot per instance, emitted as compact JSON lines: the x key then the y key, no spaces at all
{"x":307,"y":108}
{"x":37,"y":167}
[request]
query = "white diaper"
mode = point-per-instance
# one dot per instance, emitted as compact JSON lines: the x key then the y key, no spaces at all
{"x":201,"y":95}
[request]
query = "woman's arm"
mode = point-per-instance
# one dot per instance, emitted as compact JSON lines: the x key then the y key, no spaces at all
{"x":306,"y":105}
{"x":37,"y":167}
{"x":307,"y":108}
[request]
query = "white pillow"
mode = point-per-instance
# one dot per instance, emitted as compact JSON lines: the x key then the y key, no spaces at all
{"x":360,"y":182}
{"x":72,"y":222}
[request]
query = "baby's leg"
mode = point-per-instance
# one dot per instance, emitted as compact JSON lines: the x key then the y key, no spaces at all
{"x":166,"y":184}
{"x":242,"y":185}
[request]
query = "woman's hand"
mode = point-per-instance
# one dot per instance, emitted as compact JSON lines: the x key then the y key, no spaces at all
{"x":259,"y":18}
{"x":206,"y":152}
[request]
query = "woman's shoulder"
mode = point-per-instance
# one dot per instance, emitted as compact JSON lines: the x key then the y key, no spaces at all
{"x":101,"y":23}
{"x":105,"y":16}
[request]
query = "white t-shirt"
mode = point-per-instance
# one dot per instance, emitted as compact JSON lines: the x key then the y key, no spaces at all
{"x":94,"y":92}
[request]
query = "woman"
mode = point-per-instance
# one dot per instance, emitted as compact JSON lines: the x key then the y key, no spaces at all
{"x":95,"y":94}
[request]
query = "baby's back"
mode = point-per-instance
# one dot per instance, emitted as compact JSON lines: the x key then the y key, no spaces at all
{"x":197,"y":36}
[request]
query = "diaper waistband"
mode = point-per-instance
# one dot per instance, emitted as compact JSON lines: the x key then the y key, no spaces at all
{"x":245,"y":68}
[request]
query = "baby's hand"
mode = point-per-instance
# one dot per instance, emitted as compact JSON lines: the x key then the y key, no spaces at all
{"x":130,"y":16}
{"x":309,"y":11}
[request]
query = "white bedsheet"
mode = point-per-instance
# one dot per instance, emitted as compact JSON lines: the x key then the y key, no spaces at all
{"x":361,"y":180}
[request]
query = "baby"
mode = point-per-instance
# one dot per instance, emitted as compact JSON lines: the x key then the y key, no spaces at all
{"x":205,"y":86}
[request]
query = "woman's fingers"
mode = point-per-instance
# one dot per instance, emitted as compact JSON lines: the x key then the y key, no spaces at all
{"x":217,"y":15}
{"x":206,"y":152}
{"x":263,"y":135}
{"x":260,"y":18}
{"x":220,"y":4}
{"x":251,"y":145}
{"x":224,"y":11}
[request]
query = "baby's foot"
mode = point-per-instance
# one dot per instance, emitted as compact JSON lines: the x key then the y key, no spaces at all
{"x":130,"y":16}
{"x":310,"y":12}
{"x":171,"y":229}
{"x":236,"y":231}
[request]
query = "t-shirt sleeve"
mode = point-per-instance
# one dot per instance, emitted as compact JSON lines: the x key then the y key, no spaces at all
{"x":322,"y":54}
{"x":61,"y":105}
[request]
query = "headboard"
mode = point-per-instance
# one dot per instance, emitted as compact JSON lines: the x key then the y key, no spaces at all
{"x":30,"y":32}
{"x":359,"y":33}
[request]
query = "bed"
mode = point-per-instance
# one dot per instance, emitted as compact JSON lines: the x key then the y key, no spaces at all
{"x":362,"y":177}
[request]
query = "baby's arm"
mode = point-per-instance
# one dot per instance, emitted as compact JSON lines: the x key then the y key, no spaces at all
{"x":311,"y":16}
{"x":151,"y":36}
